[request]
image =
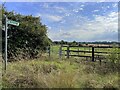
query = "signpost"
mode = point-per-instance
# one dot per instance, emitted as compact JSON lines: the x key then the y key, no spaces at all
{"x":5,"y":42}
{"x":11,"y":22}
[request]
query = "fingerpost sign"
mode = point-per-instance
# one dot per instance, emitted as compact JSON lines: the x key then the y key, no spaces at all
{"x":11,"y":22}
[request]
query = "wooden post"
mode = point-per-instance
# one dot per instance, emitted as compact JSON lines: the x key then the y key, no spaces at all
{"x":68,"y":51}
{"x":100,"y":61}
{"x":49,"y":50}
{"x":93,"y":54}
{"x":78,"y":51}
{"x":89,"y":48}
{"x":84,"y":50}
{"x":78,"y":48}
{"x":60,"y":51}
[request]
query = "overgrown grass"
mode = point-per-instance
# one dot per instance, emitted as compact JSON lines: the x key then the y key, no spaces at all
{"x":60,"y":73}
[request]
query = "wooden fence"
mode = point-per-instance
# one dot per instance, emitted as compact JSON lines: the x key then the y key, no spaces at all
{"x":94,"y":54}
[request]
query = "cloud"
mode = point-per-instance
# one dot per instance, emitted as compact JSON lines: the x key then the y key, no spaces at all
{"x":108,"y":6}
{"x":59,"y":8}
{"x":54,"y":18}
{"x":80,"y":9}
{"x":115,"y":5}
{"x":45,"y":5}
{"x":71,"y":25}
{"x":49,"y":17}
{"x":75,"y":10}
{"x":95,"y":11}
{"x":100,"y":28}
{"x":82,"y":5}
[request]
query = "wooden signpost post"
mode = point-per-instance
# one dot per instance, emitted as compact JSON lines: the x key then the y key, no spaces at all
{"x":11,"y":22}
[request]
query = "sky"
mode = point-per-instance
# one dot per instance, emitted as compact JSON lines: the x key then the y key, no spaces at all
{"x":69,"y":21}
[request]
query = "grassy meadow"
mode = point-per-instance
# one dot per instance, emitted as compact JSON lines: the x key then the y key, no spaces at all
{"x":55,"y":72}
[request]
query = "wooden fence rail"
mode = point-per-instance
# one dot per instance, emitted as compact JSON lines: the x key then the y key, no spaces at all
{"x":91,"y":46}
{"x":90,"y":51}
{"x":94,"y":54}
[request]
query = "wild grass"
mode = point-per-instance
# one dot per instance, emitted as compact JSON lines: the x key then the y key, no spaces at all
{"x":60,"y":73}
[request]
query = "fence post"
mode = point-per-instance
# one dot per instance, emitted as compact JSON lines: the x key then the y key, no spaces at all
{"x":78,"y":48}
{"x":68,"y":51}
{"x":93,"y":54}
{"x":49,"y":50}
{"x":60,"y":51}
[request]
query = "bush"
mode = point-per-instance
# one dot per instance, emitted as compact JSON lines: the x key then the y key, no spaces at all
{"x":114,"y":57}
{"x":28,"y":39}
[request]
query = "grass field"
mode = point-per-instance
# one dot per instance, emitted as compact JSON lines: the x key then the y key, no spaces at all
{"x":55,"y":72}
{"x":65,"y":73}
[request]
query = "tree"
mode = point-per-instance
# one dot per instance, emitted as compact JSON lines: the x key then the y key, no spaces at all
{"x":0,"y":28}
{"x":28,"y":39}
{"x":62,"y":42}
{"x":74,"y":43}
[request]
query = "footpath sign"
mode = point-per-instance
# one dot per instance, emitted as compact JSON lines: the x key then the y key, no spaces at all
{"x":11,"y":22}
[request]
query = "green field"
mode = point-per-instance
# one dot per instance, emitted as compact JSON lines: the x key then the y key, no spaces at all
{"x":55,"y":72}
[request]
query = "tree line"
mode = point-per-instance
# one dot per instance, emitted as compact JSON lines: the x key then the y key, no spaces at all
{"x":80,"y":43}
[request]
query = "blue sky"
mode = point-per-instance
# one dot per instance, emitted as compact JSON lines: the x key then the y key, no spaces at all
{"x":80,"y":21}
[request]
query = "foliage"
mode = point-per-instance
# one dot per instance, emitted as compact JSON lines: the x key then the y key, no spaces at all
{"x":114,"y":55}
{"x":28,"y":39}
{"x":0,"y":28}
{"x":76,"y":43}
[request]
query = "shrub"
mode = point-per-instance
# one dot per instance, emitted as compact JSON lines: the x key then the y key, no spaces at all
{"x":28,"y":39}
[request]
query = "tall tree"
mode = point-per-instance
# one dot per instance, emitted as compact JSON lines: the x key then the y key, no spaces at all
{"x":28,"y":39}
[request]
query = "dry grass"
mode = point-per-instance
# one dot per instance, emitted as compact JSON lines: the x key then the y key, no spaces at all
{"x":71,"y":73}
